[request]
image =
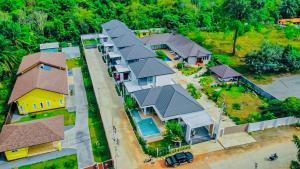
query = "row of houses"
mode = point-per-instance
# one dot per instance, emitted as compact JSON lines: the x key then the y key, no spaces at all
{"x":41,"y":85}
{"x":138,"y":73}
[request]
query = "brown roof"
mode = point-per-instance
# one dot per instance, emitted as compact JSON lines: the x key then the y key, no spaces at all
{"x":31,"y":133}
{"x":55,"y":59}
{"x":41,"y":77}
{"x":292,"y":20}
{"x":224,"y":71}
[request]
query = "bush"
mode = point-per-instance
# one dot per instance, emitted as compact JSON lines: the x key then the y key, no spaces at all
{"x":69,"y":164}
{"x":193,"y":91}
{"x":130,"y":103}
{"x":53,"y":166}
{"x":236,"y":106}
{"x":180,"y":65}
{"x":254,"y":117}
{"x":161,"y":55}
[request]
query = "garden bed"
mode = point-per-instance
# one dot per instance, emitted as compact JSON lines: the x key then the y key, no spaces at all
{"x":74,"y":62}
{"x":90,"y":42}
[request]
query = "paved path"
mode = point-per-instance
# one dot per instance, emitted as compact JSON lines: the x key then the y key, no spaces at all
{"x":127,"y":154}
{"x":78,"y":137}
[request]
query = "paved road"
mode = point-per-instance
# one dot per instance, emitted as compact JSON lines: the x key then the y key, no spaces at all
{"x":78,"y":137}
{"x":127,"y":154}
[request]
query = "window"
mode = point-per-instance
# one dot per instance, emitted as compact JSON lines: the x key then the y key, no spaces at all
{"x":14,"y":150}
{"x":34,"y":106}
{"x":21,"y":108}
{"x":150,"y":79}
{"x":48,"y":103}
{"x":41,"y":104}
{"x":143,"y":81}
{"x":60,"y":101}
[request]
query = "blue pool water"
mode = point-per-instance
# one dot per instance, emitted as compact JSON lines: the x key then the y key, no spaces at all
{"x":50,"y":50}
{"x":167,"y":59}
{"x":147,"y":126}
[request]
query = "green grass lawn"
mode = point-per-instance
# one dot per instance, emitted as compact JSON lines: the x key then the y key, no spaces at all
{"x":90,"y":42}
{"x":66,"y":162}
{"x":248,"y":101}
{"x":99,"y":143}
{"x":75,"y":62}
{"x":189,"y":70}
{"x":68,"y":120}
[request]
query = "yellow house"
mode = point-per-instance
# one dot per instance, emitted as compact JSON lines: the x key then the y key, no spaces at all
{"x":41,"y":83}
{"x":31,"y":138}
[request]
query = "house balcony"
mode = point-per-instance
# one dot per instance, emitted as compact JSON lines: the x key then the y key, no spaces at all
{"x":134,"y":86}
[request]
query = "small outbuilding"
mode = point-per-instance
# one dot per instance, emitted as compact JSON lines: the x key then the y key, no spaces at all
{"x":49,"y":47}
{"x":225,"y":73}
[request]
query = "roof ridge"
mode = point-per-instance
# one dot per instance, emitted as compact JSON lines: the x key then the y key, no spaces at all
{"x":143,"y":66}
{"x":193,"y":100}
{"x":171,"y":96}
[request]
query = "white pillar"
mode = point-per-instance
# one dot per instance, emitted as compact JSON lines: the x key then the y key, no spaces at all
{"x":188,"y":133}
{"x":121,"y":77}
{"x":144,"y":109}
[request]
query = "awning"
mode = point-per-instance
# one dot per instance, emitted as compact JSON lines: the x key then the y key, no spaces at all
{"x":199,"y":119}
{"x":113,"y":55}
{"x":105,"y":44}
{"x":121,"y":68}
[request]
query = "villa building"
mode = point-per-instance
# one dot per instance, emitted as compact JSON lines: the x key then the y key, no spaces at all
{"x":225,"y":73}
{"x":49,"y":47}
{"x":32,"y":138}
{"x":41,"y":83}
{"x":183,"y":48}
{"x":147,"y":79}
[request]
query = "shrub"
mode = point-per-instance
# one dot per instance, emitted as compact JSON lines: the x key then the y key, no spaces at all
{"x":69,"y":164}
{"x":254,"y":117}
{"x":193,"y":91}
{"x":53,"y":166}
{"x":180,"y":65}
{"x":174,"y":131}
{"x":161,"y":55}
{"x":236,"y":106}
{"x":130,"y":102}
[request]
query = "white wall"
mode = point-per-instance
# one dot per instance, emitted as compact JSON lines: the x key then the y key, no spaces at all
{"x":192,"y":60}
{"x":163,"y":80}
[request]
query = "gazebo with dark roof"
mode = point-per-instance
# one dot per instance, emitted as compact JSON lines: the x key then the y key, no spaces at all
{"x":225,"y":73}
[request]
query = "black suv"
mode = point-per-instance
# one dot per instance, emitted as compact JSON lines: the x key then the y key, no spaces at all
{"x":179,"y":158}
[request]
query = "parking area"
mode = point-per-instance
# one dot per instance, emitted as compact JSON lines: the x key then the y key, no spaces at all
{"x":284,"y":87}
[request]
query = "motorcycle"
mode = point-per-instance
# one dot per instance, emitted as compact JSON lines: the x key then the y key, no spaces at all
{"x":273,"y":157}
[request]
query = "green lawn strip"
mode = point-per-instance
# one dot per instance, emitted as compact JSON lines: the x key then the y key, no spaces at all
{"x":66,"y":162}
{"x":189,"y":70}
{"x":69,"y":117}
{"x":74,"y":62}
{"x":90,"y":42}
{"x":99,"y":143}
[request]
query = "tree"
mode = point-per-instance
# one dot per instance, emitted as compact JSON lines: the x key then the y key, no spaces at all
{"x":289,"y":8}
{"x":296,"y":164}
{"x":174,"y":131}
{"x":238,"y":14}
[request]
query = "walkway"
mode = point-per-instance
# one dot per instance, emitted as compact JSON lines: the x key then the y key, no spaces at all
{"x":78,"y":137}
{"x":126,"y":152}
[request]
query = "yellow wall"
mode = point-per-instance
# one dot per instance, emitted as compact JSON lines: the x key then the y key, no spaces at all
{"x":18,"y":153}
{"x":143,"y":34}
{"x":40,"y":98}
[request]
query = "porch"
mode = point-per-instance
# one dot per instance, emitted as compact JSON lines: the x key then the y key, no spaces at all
{"x":44,"y":148}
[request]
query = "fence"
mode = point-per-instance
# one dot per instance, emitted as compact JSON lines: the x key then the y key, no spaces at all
{"x":235,"y":129}
{"x":272,"y":123}
{"x":158,"y":152}
{"x":256,"y":88}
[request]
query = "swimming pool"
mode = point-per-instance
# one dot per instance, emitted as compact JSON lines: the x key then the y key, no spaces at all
{"x":167,"y":59}
{"x":147,"y":126}
{"x":50,"y":50}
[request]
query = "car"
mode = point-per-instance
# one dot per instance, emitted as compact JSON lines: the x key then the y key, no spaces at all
{"x":179,"y":159}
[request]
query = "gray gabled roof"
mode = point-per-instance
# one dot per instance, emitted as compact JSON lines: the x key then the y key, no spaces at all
{"x":180,"y":44}
{"x":136,"y":52}
{"x":169,"y":100}
{"x":150,"y":67}
{"x":127,"y":39}
{"x":224,"y":71}
{"x":119,"y":31}
{"x":112,"y":24}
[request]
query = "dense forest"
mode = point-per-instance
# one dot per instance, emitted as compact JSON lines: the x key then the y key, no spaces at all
{"x":24,"y":24}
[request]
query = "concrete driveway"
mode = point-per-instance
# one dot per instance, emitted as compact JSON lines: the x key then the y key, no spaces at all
{"x":126,"y":152}
{"x":78,"y":137}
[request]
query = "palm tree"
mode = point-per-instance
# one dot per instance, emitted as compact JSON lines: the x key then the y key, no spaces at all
{"x":289,"y":8}
{"x":296,"y":164}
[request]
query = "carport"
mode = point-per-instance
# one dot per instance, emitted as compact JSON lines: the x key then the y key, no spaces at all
{"x":199,"y":127}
